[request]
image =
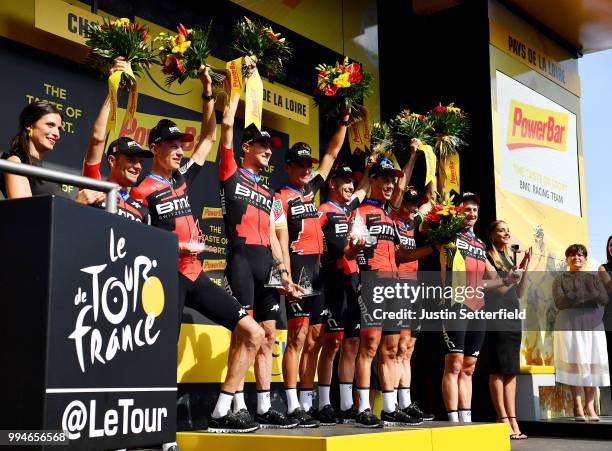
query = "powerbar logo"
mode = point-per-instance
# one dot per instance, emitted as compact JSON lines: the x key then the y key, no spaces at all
{"x":212,"y":212}
{"x":126,"y":419}
{"x":531,"y":126}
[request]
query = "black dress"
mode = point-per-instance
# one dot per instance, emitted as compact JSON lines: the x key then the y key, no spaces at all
{"x":38,"y":186}
{"x":503,"y":338}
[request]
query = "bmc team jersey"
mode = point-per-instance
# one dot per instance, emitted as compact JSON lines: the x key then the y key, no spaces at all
{"x":170,"y":210}
{"x":305,"y":235}
{"x":126,"y":205}
{"x":381,"y":255}
{"x":246,"y":203}
{"x":406,"y":229}
{"x":474,"y":253}
{"x":334,"y":220}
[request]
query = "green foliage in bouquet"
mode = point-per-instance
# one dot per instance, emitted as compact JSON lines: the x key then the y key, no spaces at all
{"x":380,"y":140}
{"x":255,"y":38}
{"x":185,"y":54}
{"x":451,"y":126}
{"x":406,"y":126}
{"x":119,"y":38}
{"x":340,"y":88}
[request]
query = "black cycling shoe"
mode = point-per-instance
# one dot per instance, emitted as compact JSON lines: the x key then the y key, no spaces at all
{"x":244,"y":413}
{"x":347,"y":416}
{"x":415,"y":411}
{"x":399,"y":418}
{"x":326,"y":415}
{"x":273,"y":419}
{"x":305,"y":420}
{"x":231,"y":423}
{"x":367,"y":419}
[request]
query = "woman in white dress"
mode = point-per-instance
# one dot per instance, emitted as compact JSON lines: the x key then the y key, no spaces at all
{"x":581,"y":357}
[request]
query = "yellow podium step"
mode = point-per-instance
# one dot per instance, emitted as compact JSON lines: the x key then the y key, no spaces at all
{"x":432,"y":436}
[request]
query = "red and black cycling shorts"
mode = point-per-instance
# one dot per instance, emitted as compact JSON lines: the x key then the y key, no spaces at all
{"x":246,"y":274}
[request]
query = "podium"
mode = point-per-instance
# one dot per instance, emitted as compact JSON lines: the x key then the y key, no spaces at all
{"x":89,"y":329}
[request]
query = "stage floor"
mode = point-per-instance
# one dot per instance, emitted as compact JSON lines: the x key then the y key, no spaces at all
{"x":431,"y":436}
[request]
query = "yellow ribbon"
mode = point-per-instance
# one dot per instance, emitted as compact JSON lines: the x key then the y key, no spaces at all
{"x":359,"y":132}
{"x":430,"y":162}
{"x":457,"y":269}
{"x":451,"y":168}
{"x":254,"y":100}
{"x":113,"y":89}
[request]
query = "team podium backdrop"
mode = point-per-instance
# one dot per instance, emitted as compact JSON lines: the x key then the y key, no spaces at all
{"x":89,"y":325}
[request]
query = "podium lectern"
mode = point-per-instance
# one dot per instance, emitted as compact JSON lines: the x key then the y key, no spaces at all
{"x":89,"y":327}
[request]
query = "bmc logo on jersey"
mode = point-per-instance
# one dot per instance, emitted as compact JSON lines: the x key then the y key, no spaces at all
{"x":382,"y":229}
{"x":408,"y":241}
{"x":342,"y":229}
{"x":181,"y":203}
{"x":471,"y":250}
{"x":297,"y":210}
{"x":258,"y":198}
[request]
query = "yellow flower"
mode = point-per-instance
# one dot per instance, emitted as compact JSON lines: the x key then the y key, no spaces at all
{"x":342,"y":81}
{"x":120,"y":22}
{"x":180,"y":45}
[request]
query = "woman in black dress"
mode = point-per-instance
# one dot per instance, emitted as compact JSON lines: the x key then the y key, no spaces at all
{"x":39,"y":130}
{"x":504,"y":336}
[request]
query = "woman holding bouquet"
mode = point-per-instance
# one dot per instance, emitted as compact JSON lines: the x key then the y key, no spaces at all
{"x":504,"y":336}
{"x":462,"y":336}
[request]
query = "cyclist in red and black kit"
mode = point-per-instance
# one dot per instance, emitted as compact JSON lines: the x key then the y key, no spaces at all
{"x":164,"y":191}
{"x":407,"y":206}
{"x":340,"y":278}
{"x":253,"y":250}
{"x":379,"y":256}
{"x":302,"y":241}
{"x":463,"y":337}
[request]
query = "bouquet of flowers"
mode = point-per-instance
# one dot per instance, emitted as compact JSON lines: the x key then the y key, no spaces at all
{"x":443,"y":222}
{"x":450,"y":125}
{"x":406,"y":126}
{"x":341,"y":87}
{"x":185,"y":54}
{"x":119,"y":38}
{"x":380,"y":140}
{"x":256,"y":39}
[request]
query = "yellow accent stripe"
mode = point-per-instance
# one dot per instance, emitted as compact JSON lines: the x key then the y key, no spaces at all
{"x":491,"y":437}
{"x":537,"y":369}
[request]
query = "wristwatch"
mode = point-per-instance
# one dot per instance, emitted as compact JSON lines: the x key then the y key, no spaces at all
{"x":283,"y":271}
{"x":208,"y":98}
{"x":341,"y":122}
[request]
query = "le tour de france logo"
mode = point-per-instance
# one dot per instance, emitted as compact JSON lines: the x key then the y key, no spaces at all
{"x":117,"y":307}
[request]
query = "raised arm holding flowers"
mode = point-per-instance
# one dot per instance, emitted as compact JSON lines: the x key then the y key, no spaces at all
{"x":184,"y":55}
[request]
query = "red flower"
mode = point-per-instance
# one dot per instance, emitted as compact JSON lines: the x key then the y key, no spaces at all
{"x":440,"y":109}
{"x":182,"y":30}
{"x":172,"y":64}
{"x":145,"y":35}
{"x":322,"y":74}
{"x":272,"y":36}
{"x":330,"y":90}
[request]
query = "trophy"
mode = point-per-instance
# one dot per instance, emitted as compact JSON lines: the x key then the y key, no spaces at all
{"x":305,"y":283}
{"x":196,"y":240}
{"x":359,"y":230}
{"x":275,"y":280}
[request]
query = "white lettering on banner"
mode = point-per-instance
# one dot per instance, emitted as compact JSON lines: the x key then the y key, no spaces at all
{"x":112,"y":297}
{"x":124,"y":420}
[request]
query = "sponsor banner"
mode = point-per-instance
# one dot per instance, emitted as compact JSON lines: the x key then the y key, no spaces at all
{"x":141,"y":124}
{"x":63,"y":19}
{"x":212,"y":213}
{"x":203,"y":350}
{"x":534,"y":57}
{"x":538,"y":147}
{"x":214,"y":265}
